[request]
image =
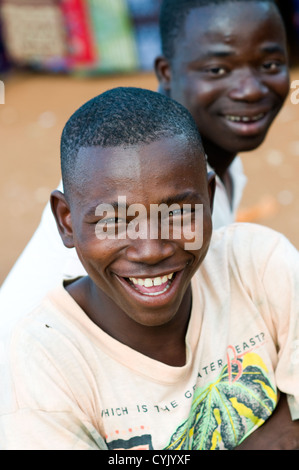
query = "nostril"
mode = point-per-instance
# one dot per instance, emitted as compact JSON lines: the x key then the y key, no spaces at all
{"x":150,"y":251}
{"x":248,"y":88}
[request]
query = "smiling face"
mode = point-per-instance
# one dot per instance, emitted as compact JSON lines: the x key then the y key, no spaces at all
{"x":142,"y":281}
{"x":230,"y":71}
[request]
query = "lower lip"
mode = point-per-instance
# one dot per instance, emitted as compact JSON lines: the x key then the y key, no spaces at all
{"x":158,"y":299}
{"x":247,"y":128}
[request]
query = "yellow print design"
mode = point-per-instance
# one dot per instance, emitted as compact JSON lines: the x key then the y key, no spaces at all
{"x":226,"y":411}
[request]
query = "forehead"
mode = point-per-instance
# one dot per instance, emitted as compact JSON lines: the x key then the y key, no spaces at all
{"x":232,"y":24}
{"x":140,"y":172}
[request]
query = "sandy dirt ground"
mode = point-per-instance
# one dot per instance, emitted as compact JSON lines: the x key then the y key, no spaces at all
{"x":31,"y":120}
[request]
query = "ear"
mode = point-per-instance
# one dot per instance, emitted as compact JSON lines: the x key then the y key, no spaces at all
{"x":163,"y":73}
{"x":211,"y":188}
{"x":62,"y":215}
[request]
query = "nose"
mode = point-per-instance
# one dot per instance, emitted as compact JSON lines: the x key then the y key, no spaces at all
{"x":150,"y":251}
{"x":248,"y":86}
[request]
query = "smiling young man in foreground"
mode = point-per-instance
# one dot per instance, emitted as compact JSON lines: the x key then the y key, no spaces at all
{"x":226,"y":62}
{"x":160,"y":346}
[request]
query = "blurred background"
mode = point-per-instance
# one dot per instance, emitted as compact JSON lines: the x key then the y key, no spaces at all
{"x":55,"y":55}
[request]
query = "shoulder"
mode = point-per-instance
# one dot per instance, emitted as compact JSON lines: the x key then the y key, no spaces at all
{"x":48,"y":354}
{"x":49,"y":331}
{"x":244,"y":232}
{"x":252,"y":245}
{"x":251,"y":259}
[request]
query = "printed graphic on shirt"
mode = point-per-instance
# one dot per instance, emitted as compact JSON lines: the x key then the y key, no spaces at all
{"x":222,"y":412}
{"x":135,"y":443}
{"x":225,"y":411}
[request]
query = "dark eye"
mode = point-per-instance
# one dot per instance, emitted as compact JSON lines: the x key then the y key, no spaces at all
{"x":180,"y":212}
{"x":109,"y":227}
{"x":107,"y":221}
{"x":111,"y":221}
{"x":175,"y":212}
{"x":217,"y":71}
{"x":272,"y":66}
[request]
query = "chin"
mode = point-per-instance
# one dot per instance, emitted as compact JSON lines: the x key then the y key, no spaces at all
{"x":153,"y":319}
{"x":247,"y":144}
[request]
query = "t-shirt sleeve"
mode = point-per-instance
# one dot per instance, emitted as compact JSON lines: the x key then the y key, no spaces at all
{"x":53,"y":406}
{"x":32,"y":429}
{"x":281,"y":282}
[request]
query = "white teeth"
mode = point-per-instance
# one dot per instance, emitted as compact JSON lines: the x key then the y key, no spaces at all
{"x":158,"y":293}
{"x":244,"y":118}
{"x":151,"y":281}
{"x":233,"y":118}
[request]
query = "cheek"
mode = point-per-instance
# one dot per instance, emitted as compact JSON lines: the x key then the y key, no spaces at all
{"x":203,"y":99}
{"x":281,"y":86}
{"x":196,"y":235}
{"x":92,"y":251}
{"x":193,"y":93}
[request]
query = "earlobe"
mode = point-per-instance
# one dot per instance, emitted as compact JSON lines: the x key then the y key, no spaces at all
{"x":211,"y":188}
{"x":62,"y":214}
{"x":163,"y":74}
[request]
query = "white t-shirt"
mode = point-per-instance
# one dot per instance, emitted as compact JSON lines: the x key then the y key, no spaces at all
{"x":224,"y":211}
{"x":45,"y":260}
{"x":75,"y":387}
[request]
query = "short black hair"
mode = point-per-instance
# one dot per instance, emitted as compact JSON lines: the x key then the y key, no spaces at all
{"x":120,"y":117}
{"x":172,"y":18}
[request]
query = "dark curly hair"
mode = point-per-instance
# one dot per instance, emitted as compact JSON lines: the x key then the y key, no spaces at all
{"x":120,"y":117}
{"x":173,"y":14}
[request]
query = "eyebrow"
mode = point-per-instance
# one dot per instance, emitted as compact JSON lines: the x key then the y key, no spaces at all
{"x":272,"y":49}
{"x":222,"y":53}
{"x":187,"y":196}
{"x":218,"y":54}
{"x":115,"y":204}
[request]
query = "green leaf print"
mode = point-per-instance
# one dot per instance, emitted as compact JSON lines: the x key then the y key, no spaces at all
{"x":226,"y":411}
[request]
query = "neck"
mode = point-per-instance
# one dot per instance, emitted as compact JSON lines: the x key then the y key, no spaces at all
{"x":218,"y":158}
{"x":165,"y":343}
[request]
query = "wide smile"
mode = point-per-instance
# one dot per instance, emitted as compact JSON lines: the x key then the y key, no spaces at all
{"x":154,"y":291}
{"x":247,"y":125}
{"x":245,"y":119}
{"x":152,"y":285}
